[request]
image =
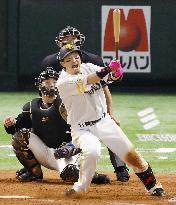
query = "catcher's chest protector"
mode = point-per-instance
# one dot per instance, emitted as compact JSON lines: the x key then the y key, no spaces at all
{"x":48,"y":124}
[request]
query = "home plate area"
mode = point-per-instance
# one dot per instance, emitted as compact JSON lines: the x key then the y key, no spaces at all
{"x":50,"y":191}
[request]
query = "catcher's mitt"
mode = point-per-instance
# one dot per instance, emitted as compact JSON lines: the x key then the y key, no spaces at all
{"x":100,"y":179}
{"x":63,"y":111}
{"x":22,"y":137}
{"x":66,"y":150}
{"x":70,"y":173}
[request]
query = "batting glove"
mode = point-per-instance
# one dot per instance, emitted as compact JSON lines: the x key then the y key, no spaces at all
{"x":116,"y":68}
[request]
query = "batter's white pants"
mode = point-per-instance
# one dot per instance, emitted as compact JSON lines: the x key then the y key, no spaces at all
{"x":45,"y":155}
{"x":89,"y":139}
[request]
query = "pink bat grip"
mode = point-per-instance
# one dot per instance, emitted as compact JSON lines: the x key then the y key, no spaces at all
{"x":116,"y":68}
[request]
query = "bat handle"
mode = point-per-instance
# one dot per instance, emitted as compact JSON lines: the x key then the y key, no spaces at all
{"x":117,"y":50}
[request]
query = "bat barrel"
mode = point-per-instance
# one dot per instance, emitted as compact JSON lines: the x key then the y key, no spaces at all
{"x":116,"y":24}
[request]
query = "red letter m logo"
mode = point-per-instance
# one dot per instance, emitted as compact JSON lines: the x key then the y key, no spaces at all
{"x":133,"y":33}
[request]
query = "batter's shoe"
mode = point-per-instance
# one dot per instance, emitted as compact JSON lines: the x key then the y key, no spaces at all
{"x":122,"y":174}
{"x":157,"y":190}
{"x":69,"y":192}
{"x":100,"y":179}
{"x":29,"y":176}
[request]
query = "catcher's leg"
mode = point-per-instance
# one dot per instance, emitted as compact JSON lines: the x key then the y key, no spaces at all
{"x":120,"y":167}
{"x":70,"y":172}
{"x":32,"y":169}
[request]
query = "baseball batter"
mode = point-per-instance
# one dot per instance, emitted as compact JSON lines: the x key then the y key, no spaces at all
{"x":81,"y":92}
{"x":73,"y":35}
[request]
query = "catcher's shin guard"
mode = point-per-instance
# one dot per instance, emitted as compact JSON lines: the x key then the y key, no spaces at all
{"x":25,"y":175}
{"x":148,"y":179}
{"x":24,"y":154}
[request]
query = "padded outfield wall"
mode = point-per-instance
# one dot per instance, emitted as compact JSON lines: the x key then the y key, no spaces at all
{"x":147,"y":50}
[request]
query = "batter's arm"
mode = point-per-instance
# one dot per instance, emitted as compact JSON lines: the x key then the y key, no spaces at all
{"x":76,"y":85}
{"x":67,"y":84}
{"x":93,"y":78}
{"x":108,"y":97}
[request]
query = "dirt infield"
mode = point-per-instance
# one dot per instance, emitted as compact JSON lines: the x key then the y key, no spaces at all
{"x":50,"y":191}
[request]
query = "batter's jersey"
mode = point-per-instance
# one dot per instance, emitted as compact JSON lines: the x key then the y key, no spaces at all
{"x":83,"y":102}
{"x":87,"y":57}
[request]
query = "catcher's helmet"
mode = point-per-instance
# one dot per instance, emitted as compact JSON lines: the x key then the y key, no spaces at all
{"x":46,"y":74}
{"x":70,"y":31}
{"x":66,"y":50}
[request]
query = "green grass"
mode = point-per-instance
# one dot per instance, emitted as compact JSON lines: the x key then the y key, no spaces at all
{"x":125,"y":106}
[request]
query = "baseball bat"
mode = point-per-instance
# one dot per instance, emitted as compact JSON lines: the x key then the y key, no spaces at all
{"x":116,"y":25}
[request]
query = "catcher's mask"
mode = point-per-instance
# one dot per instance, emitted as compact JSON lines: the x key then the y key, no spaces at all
{"x":70,"y":31}
{"x":66,"y":50}
{"x":47,"y":89}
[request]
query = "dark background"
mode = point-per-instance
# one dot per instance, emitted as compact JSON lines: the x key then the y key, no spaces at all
{"x":29,"y":27}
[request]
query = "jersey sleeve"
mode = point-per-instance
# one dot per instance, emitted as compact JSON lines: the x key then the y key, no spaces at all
{"x":23,"y":120}
{"x":107,"y":79}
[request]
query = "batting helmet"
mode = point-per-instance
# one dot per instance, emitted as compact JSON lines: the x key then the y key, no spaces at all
{"x":70,"y":31}
{"x":66,"y":50}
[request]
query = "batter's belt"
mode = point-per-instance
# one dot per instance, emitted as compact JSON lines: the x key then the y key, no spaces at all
{"x":90,"y":123}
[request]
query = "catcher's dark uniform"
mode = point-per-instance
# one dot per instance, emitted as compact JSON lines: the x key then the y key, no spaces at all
{"x":47,"y":124}
{"x":48,"y":130}
{"x":51,"y":60}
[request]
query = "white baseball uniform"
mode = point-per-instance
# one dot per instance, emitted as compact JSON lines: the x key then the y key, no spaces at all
{"x":90,"y":123}
{"x":45,"y":155}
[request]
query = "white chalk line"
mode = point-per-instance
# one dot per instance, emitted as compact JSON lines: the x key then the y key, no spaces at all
{"x":14,"y":197}
{"x":156,"y":137}
{"x":27,"y":197}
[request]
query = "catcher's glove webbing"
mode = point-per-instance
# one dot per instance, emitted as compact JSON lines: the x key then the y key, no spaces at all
{"x":66,"y":150}
{"x":70,"y":173}
{"x":21,"y":138}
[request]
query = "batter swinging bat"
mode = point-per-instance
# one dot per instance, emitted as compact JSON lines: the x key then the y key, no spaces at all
{"x":116,"y":24}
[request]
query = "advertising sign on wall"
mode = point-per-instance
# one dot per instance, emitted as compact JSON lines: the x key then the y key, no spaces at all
{"x":134,"y":45}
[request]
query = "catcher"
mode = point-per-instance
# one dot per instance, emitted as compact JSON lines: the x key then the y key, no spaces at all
{"x":73,"y":35}
{"x":41,"y":136}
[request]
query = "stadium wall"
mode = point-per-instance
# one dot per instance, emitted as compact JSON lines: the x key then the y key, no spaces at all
{"x":30,"y":27}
